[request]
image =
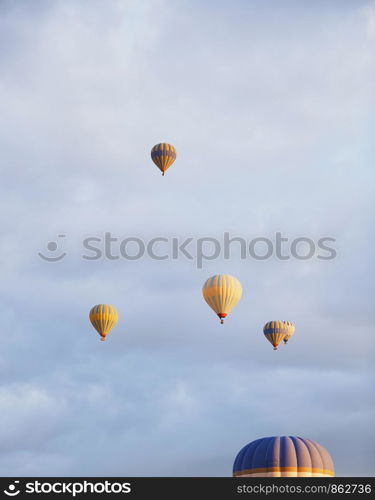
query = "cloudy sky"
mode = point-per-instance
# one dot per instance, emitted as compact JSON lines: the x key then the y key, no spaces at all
{"x":270,"y":106}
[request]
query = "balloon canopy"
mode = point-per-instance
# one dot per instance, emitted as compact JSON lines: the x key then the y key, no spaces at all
{"x":290,"y":327}
{"x":275,"y":332}
{"x":222,"y":292}
{"x":103,"y":318}
{"x":285,"y":456}
{"x":163,"y":155}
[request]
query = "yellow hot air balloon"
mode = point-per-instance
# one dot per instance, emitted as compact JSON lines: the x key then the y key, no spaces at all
{"x":275,"y":332}
{"x":222,"y":292}
{"x":103,"y":318}
{"x":290,"y":331}
{"x":163,"y":155}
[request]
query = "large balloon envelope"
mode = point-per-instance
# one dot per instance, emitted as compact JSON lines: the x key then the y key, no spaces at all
{"x":163,"y":155}
{"x":103,"y":318}
{"x":222,"y":292}
{"x":285,"y":456}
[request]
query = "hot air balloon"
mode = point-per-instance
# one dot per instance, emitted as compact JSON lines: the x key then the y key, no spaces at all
{"x":103,"y":318}
{"x":275,"y":332}
{"x":222,"y":292}
{"x":290,"y":329}
{"x":163,"y":155}
{"x":285,"y":456}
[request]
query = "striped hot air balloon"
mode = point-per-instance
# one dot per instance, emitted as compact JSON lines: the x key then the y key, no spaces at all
{"x":163,"y":155}
{"x":275,"y":332}
{"x":103,"y":318}
{"x":222,"y":292}
{"x":290,"y":329}
{"x":285,"y":456}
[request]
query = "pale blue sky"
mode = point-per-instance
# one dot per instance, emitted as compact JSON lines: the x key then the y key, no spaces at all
{"x":270,"y":106}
